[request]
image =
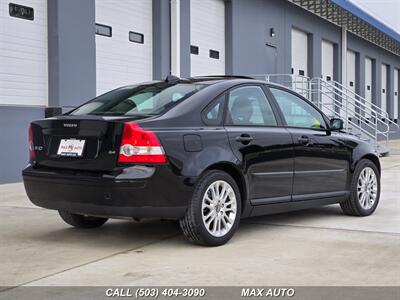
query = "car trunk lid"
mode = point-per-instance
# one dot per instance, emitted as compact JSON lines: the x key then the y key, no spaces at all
{"x":79,"y":142}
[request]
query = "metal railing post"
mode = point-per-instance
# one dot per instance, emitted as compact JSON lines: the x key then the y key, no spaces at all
{"x":369,"y":120}
{"x":346,"y":113}
{"x":319,"y":95}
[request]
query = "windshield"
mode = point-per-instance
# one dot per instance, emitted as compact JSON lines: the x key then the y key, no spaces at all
{"x":138,"y":100}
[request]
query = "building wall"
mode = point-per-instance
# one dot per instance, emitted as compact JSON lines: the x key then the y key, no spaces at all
{"x":71,"y":76}
{"x":71,"y":72}
{"x":72,"y":52}
{"x":250,"y":33}
{"x":379,"y":56}
{"x":249,"y":36}
{"x":248,"y":45}
{"x":14,"y":123}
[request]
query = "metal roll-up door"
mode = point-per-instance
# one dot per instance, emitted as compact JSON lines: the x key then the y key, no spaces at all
{"x":327,"y":70}
{"x":384,"y":85}
{"x":207,"y":37}
{"x":368,"y":85}
{"x":396,"y":78}
{"x":351,"y":83}
{"x":123,"y":43}
{"x":299,"y":52}
{"x":23,"y":53}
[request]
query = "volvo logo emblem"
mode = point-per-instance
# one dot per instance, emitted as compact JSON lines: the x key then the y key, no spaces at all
{"x":70,"y":125}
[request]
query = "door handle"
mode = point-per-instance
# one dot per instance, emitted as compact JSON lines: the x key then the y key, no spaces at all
{"x":244,"y":138}
{"x":304,"y":140}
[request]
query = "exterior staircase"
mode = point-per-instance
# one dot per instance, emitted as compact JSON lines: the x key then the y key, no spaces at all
{"x":361,"y":118}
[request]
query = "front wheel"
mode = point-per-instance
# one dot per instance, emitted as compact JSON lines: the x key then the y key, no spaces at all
{"x":81,"y":221}
{"x":214,"y":211}
{"x":365,"y":190}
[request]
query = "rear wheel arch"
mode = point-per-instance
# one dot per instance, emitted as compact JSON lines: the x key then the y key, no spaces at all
{"x":235,"y":173}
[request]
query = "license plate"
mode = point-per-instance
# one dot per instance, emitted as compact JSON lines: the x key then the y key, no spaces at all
{"x":71,"y":147}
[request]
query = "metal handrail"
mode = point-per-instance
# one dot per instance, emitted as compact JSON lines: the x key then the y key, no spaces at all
{"x":338,"y":105}
{"x":373,"y":136}
{"x":359,"y":99}
{"x":365,"y":117}
{"x":299,"y":83}
{"x":362,"y":107}
{"x":377,"y":108}
{"x":365,"y":132}
{"x":354,"y":111}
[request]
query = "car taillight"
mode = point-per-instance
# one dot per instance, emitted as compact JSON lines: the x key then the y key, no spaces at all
{"x":32,"y":153}
{"x":140,"y":146}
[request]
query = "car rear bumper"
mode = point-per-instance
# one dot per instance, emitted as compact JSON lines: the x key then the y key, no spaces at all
{"x":138,"y":191}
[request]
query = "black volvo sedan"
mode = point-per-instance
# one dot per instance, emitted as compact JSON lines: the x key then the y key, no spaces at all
{"x":206,"y":151}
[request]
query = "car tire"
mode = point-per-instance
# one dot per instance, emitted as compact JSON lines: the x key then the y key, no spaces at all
{"x":365,"y":181}
{"x":212,"y":219}
{"x":81,"y":221}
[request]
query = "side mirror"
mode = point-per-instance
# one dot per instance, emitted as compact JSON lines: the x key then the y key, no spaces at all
{"x":336,"y":124}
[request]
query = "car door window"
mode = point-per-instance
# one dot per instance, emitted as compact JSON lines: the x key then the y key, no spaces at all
{"x":248,"y":106}
{"x":297,"y":112}
{"x":212,"y":114}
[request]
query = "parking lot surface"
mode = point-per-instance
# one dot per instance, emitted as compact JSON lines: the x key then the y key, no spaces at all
{"x":318,"y":246}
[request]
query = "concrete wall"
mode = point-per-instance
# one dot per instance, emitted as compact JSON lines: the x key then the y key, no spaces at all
{"x":161,"y":39}
{"x":185,"y":38}
{"x":72,"y":52}
{"x":14,"y":124}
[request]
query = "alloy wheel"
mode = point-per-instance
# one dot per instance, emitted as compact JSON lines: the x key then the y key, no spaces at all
{"x":367,"y":188}
{"x":219,"y":208}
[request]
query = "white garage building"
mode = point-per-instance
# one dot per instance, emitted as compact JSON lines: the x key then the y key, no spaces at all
{"x":58,"y":53}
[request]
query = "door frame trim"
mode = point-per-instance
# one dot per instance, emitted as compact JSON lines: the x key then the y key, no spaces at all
{"x":274,"y":174}
{"x":320,"y":172}
{"x":325,"y":195}
{"x":270,"y":200}
{"x":295,"y":198}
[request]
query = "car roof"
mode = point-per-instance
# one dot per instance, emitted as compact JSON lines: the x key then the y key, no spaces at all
{"x":233,"y":79}
{"x":212,"y":79}
{"x":209,"y":80}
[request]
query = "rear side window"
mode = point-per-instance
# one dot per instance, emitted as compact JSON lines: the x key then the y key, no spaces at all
{"x":249,"y":106}
{"x":297,"y":112}
{"x":139,"y":100}
{"x":213,"y":113}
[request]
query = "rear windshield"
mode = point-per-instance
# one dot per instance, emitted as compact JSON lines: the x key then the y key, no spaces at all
{"x":138,"y":100}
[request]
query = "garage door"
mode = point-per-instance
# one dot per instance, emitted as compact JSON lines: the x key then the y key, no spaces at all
{"x":368,"y":84}
{"x":351,"y":82}
{"x":384,"y":84}
{"x":299,"y":52}
{"x":396,"y":78}
{"x":207,"y":37}
{"x":327,"y":66}
{"x":123,"y":43}
{"x":23,"y":52}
